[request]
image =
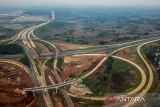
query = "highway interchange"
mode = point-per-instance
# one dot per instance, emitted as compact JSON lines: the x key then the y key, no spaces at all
{"x":29,"y":47}
{"x":38,"y":67}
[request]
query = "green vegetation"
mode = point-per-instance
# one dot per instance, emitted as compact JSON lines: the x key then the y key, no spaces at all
{"x":107,"y":32}
{"x":5,"y":33}
{"x":114,"y":76}
{"x":106,"y":73}
{"x":60,"y":25}
{"x":46,"y":45}
{"x":89,"y":103}
{"x":11,"y":49}
{"x":59,"y":63}
{"x":55,"y":29}
{"x":107,"y":26}
{"x":88,"y":69}
{"x":134,"y":29}
{"x":25,"y":61}
{"x":94,"y":104}
{"x":152,"y":54}
{"x":50,"y":63}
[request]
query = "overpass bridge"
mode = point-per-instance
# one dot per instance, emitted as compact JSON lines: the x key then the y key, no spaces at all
{"x":11,"y":56}
{"x":79,"y":51}
{"x":96,"y":48}
{"x":55,"y":86}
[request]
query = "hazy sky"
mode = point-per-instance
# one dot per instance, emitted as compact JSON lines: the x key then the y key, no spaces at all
{"x":150,"y":3}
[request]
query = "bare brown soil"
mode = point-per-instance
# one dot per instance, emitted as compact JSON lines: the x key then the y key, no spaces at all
{"x":69,"y":46}
{"x":56,"y":98}
{"x":12,"y":81}
{"x":77,"y":64}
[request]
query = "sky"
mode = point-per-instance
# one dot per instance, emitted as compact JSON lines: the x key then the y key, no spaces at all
{"x":143,"y":3}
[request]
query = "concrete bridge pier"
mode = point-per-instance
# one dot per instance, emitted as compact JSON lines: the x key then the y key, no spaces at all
{"x":56,"y":90}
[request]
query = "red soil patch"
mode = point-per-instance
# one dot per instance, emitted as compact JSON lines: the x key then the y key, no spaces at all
{"x":11,"y":79}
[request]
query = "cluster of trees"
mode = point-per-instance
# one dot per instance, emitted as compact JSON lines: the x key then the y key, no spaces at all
{"x":68,"y":32}
{"x":103,"y":78}
{"x":117,"y":39}
{"x":25,"y":61}
{"x":11,"y":49}
{"x":6,"y":32}
{"x":153,"y":54}
{"x":89,"y":29}
{"x":106,"y":72}
{"x":109,"y":32}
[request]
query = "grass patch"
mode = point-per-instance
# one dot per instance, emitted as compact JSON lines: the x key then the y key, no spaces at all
{"x":114,"y":76}
{"x":59,"y":63}
{"x":89,"y":103}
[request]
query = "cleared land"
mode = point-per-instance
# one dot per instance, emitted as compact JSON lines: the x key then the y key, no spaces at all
{"x":74,"y":66}
{"x":69,"y":46}
{"x":12,"y":80}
